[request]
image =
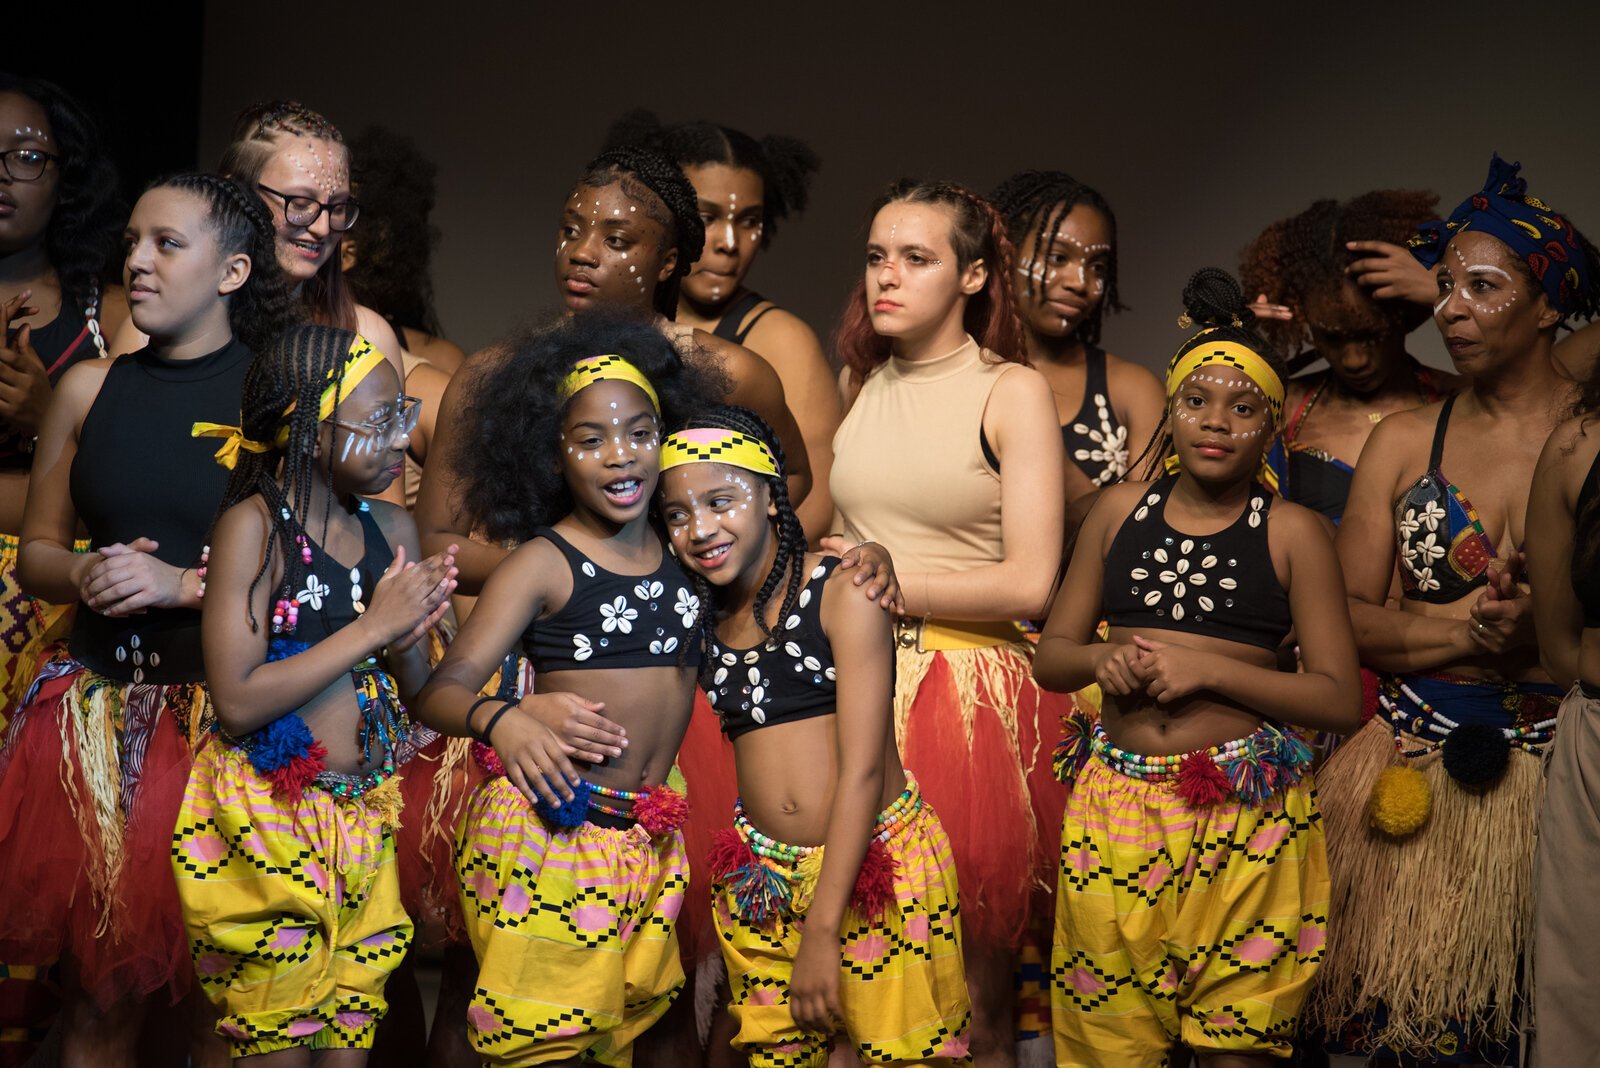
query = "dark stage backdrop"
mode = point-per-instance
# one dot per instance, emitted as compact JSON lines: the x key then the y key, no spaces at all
{"x":1200,"y":123}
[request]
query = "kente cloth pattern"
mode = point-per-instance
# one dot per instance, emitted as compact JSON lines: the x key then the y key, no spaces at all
{"x":574,"y":932}
{"x":1174,"y":924}
{"x":902,"y":987}
{"x":293,"y":906}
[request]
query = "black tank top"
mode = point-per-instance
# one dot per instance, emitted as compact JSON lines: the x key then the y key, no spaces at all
{"x":728,"y":326}
{"x":1096,"y":442}
{"x":1585,"y":576}
{"x":139,"y":473}
{"x":777,"y":682}
{"x":1222,"y":585}
{"x":64,"y":341}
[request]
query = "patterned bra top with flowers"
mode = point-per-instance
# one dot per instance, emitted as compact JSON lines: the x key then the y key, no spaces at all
{"x":779,"y":682}
{"x":1444,"y":552}
{"x":616,"y":621}
{"x":1220,"y":585}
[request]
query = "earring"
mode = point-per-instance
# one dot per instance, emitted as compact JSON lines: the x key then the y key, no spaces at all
{"x":1184,"y":322}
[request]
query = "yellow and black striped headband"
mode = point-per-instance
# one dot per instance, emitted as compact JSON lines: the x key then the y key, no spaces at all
{"x":714,"y":445}
{"x":1235,"y":356}
{"x":358,"y":363}
{"x":592,"y":369}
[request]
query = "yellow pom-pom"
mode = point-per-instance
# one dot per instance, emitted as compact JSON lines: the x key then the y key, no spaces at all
{"x":388,"y":800}
{"x":1400,"y":803}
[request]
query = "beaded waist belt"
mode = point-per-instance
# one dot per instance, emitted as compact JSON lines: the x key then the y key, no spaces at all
{"x":659,"y":810}
{"x":1477,"y":739}
{"x":1249,"y":769}
{"x":770,"y":879}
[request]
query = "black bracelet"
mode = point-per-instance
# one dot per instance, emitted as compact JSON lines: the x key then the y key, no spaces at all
{"x":488,"y":728}
{"x":475,"y":706}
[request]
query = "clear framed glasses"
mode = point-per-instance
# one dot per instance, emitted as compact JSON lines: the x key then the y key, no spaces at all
{"x":379,"y":434}
{"x":26,"y":164}
{"x":303,"y":211}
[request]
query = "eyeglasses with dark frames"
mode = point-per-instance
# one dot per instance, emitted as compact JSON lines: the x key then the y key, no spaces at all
{"x":26,"y":164}
{"x":303,"y":211}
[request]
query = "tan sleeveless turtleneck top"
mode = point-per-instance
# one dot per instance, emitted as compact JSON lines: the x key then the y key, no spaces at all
{"x":908,"y":469}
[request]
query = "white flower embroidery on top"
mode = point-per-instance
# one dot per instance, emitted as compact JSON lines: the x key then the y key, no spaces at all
{"x":1111,"y":444}
{"x":649,"y":591}
{"x":1185,"y":572}
{"x":688,"y":607}
{"x":1426,"y":583}
{"x":1426,"y":551}
{"x":1409,"y":525}
{"x":1432,"y":515}
{"x":314,"y":592}
{"x":584,"y":650}
{"x":618,"y":616}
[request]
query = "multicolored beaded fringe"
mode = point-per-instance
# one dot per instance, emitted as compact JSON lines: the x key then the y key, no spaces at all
{"x":765,"y":873}
{"x":660,"y":810}
{"x":1249,"y":769}
{"x":1474,"y":753}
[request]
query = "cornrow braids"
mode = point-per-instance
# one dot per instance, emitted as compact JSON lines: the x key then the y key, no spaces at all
{"x":1040,"y":201}
{"x":659,"y":185}
{"x":1215,"y":304}
{"x":263,"y":307}
{"x":1300,"y":262}
{"x":784,"y":164}
{"x":788,"y":566}
{"x":255,"y":140}
{"x":294,"y":370}
{"x":81,"y":240}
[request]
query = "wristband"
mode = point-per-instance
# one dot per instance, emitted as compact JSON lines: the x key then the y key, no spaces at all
{"x":488,"y":728}
{"x":475,"y":706}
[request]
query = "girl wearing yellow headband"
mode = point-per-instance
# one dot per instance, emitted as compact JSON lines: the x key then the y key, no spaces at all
{"x":114,"y":452}
{"x":314,"y":605}
{"x":1195,"y":766}
{"x":835,"y":889}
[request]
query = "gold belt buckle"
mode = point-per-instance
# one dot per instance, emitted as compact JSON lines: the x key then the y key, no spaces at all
{"x":908,"y":632}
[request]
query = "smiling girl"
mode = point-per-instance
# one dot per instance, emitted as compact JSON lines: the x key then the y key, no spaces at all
{"x":1193,"y":896}
{"x":835,"y":889}
{"x":94,"y":762}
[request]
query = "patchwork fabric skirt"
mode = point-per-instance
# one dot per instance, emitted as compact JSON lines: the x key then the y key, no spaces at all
{"x":1202,"y":925}
{"x":292,"y":905}
{"x":901,"y":985}
{"x":574,"y":930}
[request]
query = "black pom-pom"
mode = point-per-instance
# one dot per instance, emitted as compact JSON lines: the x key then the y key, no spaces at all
{"x":1476,"y":754}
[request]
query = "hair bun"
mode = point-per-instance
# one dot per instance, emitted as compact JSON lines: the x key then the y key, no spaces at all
{"x":1213,"y":298}
{"x":638,"y":127}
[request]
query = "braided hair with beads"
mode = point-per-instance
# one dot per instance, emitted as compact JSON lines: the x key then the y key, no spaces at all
{"x":659,"y":185}
{"x":1039,"y":202}
{"x":788,"y":566}
{"x":1214,"y":308}
{"x":977,"y":233}
{"x":262,"y":308}
{"x":294,"y":370}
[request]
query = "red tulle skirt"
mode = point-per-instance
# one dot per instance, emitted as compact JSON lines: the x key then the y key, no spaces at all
{"x":91,"y":768}
{"x":706,"y":760}
{"x":978,"y":735}
{"x":435,"y":785}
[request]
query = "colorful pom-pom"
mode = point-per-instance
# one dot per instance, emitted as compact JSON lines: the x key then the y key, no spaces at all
{"x":1072,"y":751}
{"x":284,"y":648}
{"x":729,"y":852}
{"x":761,"y":893}
{"x":1476,"y":754}
{"x":1247,"y":775}
{"x":660,"y":811}
{"x":387,"y":800}
{"x":568,"y":814}
{"x":874,"y":883}
{"x":1400,"y":802}
{"x":1200,"y":782}
{"x":279,"y":742}
{"x":291,"y":778}
{"x":488,"y":759}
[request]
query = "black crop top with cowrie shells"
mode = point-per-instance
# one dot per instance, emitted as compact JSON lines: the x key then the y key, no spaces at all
{"x":1220,"y":585}
{"x":616,"y":621}
{"x":780,"y":681}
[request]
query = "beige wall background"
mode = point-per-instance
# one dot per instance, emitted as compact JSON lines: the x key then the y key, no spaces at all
{"x":1200,"y":124}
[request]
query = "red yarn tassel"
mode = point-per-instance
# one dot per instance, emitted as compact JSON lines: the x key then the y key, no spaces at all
{"x":290,"y":780}
{"x":1200,"y":782}
{"x":488,"y":759}
{"x":729,"y":853}
{"x":874,"y":883}
{"x":661,"y":810}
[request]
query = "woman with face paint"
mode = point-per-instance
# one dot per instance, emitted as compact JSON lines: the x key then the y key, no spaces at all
{"x":974,"y":511}
{"x":1310,"y":304}
{"x":1466,"y":711}
{"x":1200,"y":577}
{"x":97,"y":755}
{"x":1563,"y":546}
{"x":59,"y":215}
{"x":745,"y":188}
{"x":1065,"y":283}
